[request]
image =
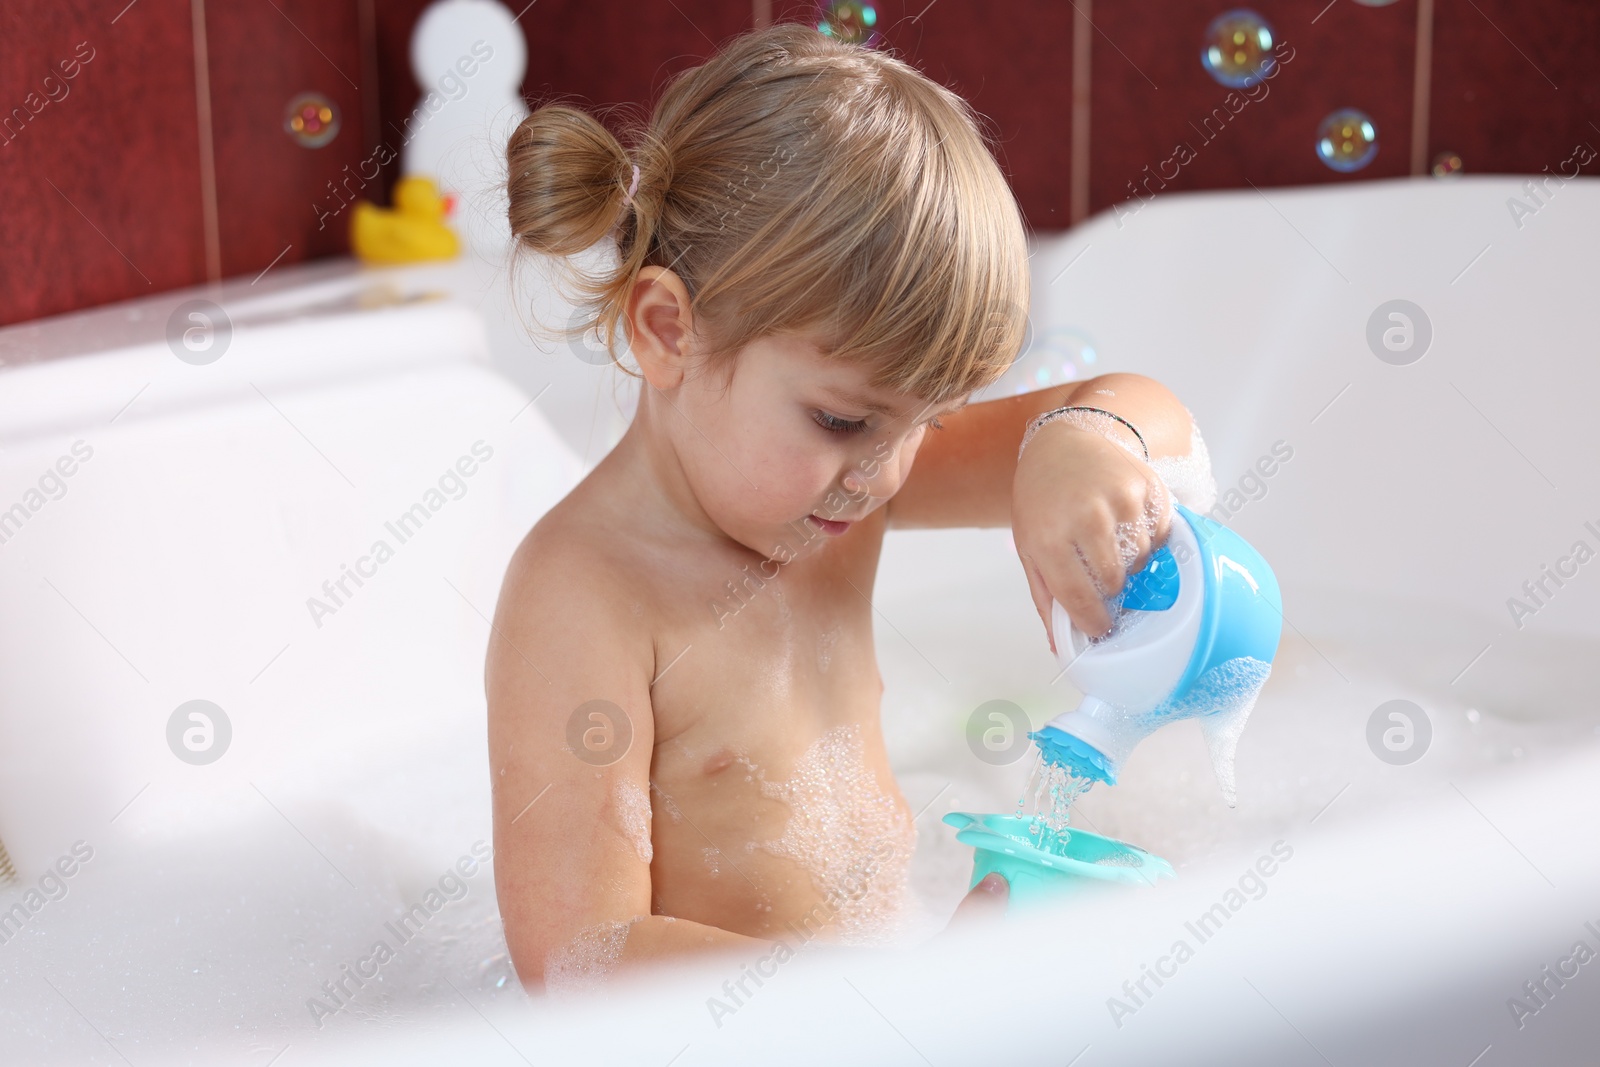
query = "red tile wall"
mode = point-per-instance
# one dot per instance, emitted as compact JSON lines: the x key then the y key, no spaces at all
{"x":268,"y":186}
{"x":1516,"y":85}
{"x":104,"y":197}
{"x":621,"y":52}
{"x":1151,"y":94}
{"x":99,"y":187}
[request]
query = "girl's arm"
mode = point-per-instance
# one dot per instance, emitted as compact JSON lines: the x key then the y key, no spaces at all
{"x":1085,"y":507}
{"x":572,"y":824}
{"x":963,"y":473}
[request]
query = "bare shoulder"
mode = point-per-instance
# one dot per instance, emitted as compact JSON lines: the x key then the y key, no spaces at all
{"x":568,"y":582}
{"x":571,"y":731}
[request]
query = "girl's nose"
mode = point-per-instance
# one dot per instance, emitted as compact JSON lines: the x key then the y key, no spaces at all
{"x":881,"y":484}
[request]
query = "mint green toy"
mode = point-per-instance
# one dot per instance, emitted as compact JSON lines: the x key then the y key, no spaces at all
{"x":1002,"y":843}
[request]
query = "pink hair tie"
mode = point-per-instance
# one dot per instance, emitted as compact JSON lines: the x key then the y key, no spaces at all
{"x":633,"y":187}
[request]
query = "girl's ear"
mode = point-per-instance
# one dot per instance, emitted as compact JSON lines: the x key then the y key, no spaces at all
{"x":660,"y":325}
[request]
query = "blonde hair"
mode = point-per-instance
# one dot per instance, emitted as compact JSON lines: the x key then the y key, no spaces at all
{"x":796,"y":184}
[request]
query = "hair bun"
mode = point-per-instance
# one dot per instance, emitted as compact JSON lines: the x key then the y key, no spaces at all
{"x":565,"y":171}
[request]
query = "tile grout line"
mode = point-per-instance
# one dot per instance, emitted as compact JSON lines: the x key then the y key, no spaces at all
{"x":208,"y":159}
{"x":1422,"y":88}
{"x":1078,"y":187}
{"x":371,"y":109}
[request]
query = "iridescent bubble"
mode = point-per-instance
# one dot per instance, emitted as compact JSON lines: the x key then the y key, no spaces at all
{"x":1347,"y":140}
{"x":1447,"y":165}
{"x":1237,"y":50}
{"x":1056,"y":356}
{"x":849,"y":21}
{"x":312,"y":119}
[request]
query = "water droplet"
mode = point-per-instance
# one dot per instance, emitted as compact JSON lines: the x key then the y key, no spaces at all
{"x":1347,"y":140}
{"x":1237,"y":49}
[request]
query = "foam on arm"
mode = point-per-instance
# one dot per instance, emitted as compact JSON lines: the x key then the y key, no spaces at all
{"x":1188,"y":477}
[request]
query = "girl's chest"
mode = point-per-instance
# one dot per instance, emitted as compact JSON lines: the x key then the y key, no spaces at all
{"x":752,"y":656}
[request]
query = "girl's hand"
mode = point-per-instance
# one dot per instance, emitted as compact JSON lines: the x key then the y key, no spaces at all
{"x":984,"y":903}
{"x":1085,"y":514}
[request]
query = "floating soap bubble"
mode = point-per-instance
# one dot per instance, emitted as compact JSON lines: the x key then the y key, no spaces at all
{"x":850,"y":21}
{"x":312,"y":119}
{"x":1237,"y":50}
{"x":1056,"y":356}
{"x":1447,"y":165}
{"x":1347,"y":140}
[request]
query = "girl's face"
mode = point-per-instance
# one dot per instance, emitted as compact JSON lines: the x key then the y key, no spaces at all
{"x":795,"y":438}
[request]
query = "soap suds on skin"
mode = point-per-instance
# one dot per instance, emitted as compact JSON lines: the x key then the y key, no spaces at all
{"x":582,"y":964}
{"x":633,"y":811}
{"x":1189,"y":477}
{"x":1128,"y":538}
{"x":1086,"y":420}
{"x":850,"y":835}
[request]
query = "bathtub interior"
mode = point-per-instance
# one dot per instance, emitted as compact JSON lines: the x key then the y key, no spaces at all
{"x":179,"y":563}
{"x":221,"y":898}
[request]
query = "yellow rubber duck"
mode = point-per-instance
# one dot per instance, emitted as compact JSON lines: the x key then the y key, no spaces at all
{"x":412,"y":231}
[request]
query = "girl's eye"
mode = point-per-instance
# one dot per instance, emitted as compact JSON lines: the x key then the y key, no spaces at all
{"x":837,"y":425}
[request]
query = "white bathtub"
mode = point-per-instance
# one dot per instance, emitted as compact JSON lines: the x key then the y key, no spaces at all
{"x":1416,"y":899}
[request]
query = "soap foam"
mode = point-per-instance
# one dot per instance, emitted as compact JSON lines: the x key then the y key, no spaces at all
{"x":1093,"y":421}
{"x":1231,"y":690}
{"x":1189,"y":477}
{"x":851,"y":836}
{"x":582,"y":964}
{"x":1120,"y":859}
{"x":1129,"y":536}
{"x":633,"y":812}
{"x":1222,"y":700}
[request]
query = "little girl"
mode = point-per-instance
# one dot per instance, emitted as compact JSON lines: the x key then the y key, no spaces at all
{"x":819,"y":262}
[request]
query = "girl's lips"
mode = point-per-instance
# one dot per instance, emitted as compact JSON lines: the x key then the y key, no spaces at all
{"x":828,"y":526}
